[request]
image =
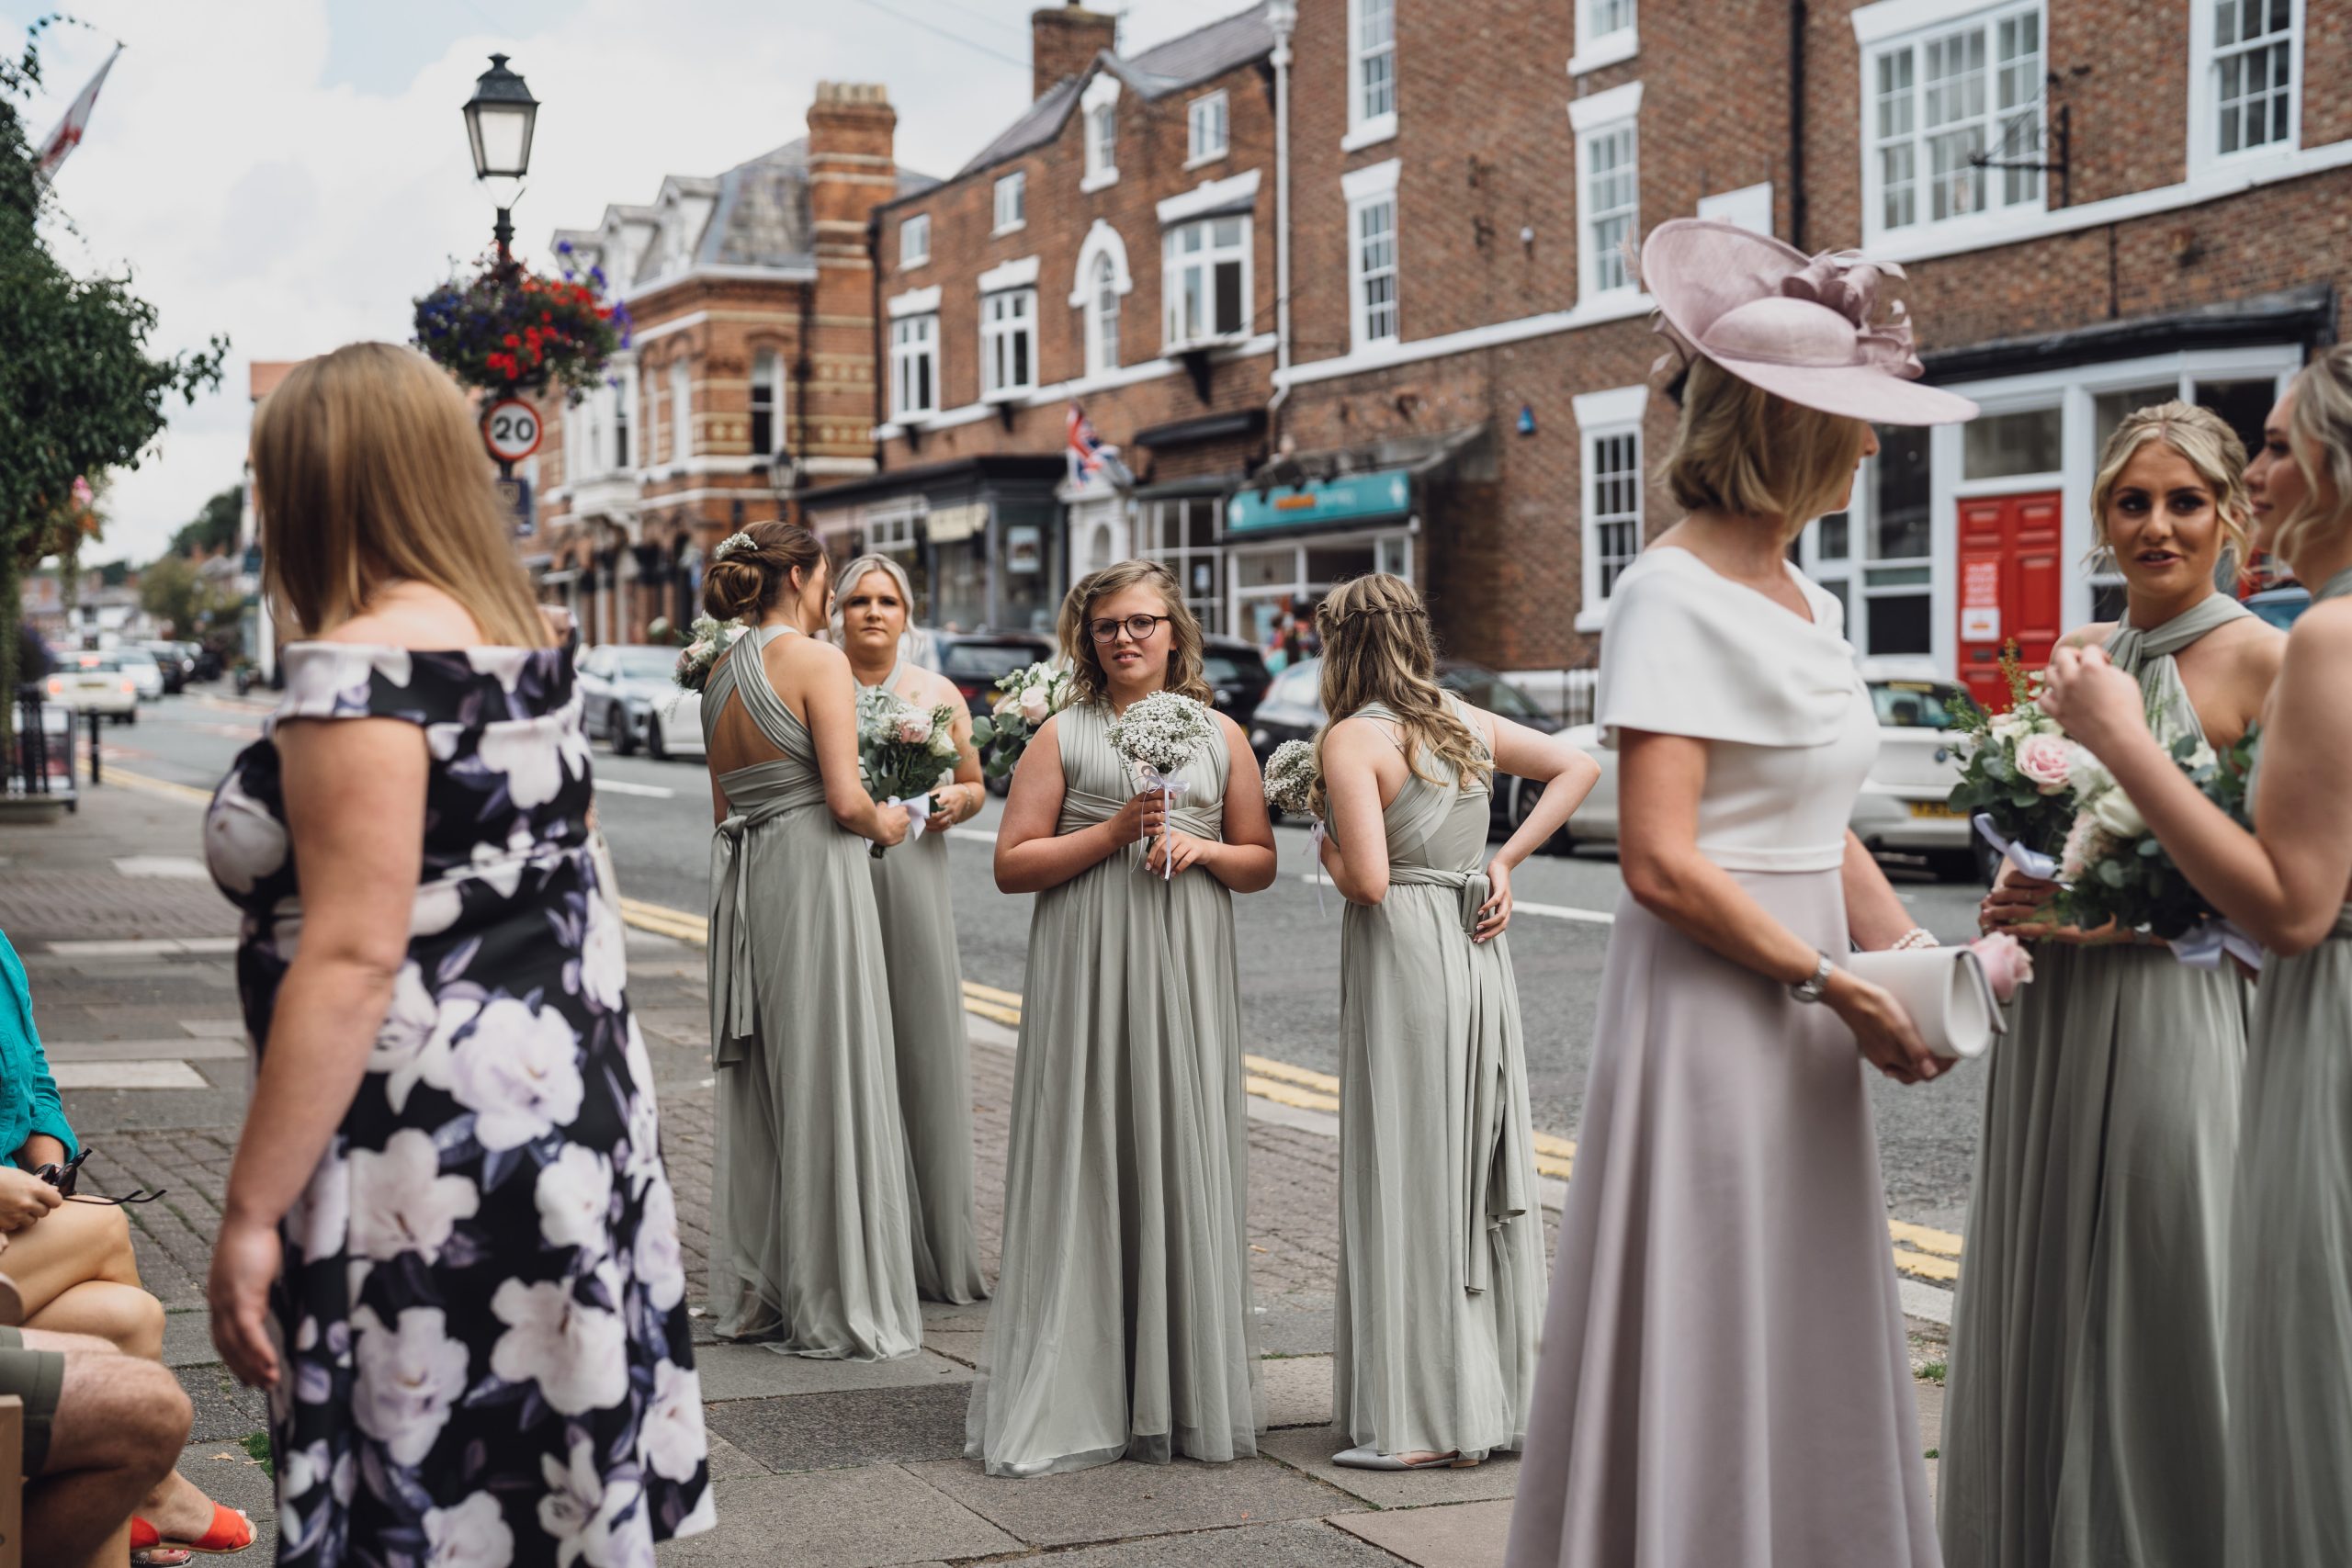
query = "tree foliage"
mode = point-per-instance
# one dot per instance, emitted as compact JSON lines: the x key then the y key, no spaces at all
{"x":215,"y":528}
{"x":174,"y":591}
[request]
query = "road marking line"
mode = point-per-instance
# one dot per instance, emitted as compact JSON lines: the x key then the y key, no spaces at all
{"x":150,"y":1074}
{"x":111,"y":773}
{"x":1926,"y":1240}
{"x":991,"y":994}
{"x":182,"y":868}
{"x":623,"y":787}
{"x":1919,"y":1263}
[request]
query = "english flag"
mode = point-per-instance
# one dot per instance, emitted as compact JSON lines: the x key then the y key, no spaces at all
{"x":1090,"y":455}
{"x":68,"y":134}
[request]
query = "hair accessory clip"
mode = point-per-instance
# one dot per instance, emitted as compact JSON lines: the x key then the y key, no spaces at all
{"x":730,"y":545}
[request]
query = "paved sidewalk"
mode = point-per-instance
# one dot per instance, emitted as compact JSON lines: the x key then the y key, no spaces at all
{"x":822,"y":1464}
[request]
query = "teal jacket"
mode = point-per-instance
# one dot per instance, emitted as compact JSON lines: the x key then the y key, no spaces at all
{"x":28,"y":1094}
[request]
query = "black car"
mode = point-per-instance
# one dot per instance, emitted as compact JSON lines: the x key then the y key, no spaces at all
{"x":1237,"y":675}
{"x":1293,"y":710}
{"x":975,"y":662}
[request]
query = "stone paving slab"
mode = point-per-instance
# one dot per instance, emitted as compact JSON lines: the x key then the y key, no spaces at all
{"x":854,"y":1426}
{"x":879,"y":1517}
{"x":1307,"y":1544}
{"x":226,"y":1411}
{"x":1310,"y":1450}
{"x":1464,"y":1535}
{"x":1297,"y":1389}
{"x":1112,"y":1502}
{"x":188,"y":1338}
{"x":229,"y":1475}
{"x":759,"y":1371}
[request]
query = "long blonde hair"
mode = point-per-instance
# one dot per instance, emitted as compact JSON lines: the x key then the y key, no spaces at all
{"x":1088,"y":681}
{"x":367,"y":470}
{"x":2204,"y":441}
{"x":2318,"y":434}
{"x":1377,"y":649}
{"x":1743,"y":450}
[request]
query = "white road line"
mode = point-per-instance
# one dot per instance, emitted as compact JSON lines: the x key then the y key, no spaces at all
{"x":652,"y":792}
{"x":1523,"y":907}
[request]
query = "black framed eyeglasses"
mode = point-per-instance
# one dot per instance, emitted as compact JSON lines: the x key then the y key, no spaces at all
{"x":66,"y":1176}
{"x":1138,"y":628}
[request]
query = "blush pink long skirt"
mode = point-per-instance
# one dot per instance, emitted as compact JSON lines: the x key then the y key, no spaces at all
{"x":1724,"y":1380}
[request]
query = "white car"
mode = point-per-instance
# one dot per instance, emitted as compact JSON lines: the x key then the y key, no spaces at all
{"x":628,"y":698}
{"x":144,"y":672}
{"x":674,"y":725}
{"x":1901,"y":808}
{"x":96,"y":683}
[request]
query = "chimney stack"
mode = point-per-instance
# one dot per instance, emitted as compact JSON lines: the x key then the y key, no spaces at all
{"x":1064,"y":40}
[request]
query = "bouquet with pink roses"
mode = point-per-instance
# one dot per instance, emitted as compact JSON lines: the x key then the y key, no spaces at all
{"x":905,"y":753}
{"x":2017,"y":780}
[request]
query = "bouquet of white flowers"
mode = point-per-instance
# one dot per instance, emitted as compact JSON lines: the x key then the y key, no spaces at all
{"x":1291,"y":775}
{"x":2016,"y":781}
{"x":1026,"y":700}
{"x":904,"y":752}
{"x":2117,"y":871}
{"x":1158,"y":734}
{"x":707,"y":639}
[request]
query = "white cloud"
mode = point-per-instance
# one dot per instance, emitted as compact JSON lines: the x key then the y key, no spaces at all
{"x":253,"y":187}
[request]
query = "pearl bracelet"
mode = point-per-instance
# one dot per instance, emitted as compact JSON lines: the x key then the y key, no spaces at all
{"x":1917,"y":936}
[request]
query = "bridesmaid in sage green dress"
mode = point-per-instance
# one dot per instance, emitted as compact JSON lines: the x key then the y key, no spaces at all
{"x":811,"y":1230}
{"x":911,"y":896}
{"x":2287,"y":1367}
{"x":1440,"y":1286}
{"x":2084,"y":1417}
{"x":1122,"y":1325}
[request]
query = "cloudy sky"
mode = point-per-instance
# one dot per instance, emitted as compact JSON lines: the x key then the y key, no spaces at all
{"x":294,"y":173}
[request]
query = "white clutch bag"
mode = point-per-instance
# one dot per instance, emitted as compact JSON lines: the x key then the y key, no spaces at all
{"x":1946,"y":992}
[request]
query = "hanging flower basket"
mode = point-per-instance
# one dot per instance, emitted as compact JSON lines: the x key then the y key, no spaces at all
{"x":520,"y":332}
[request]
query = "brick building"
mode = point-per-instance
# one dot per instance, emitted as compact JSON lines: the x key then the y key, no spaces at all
{"x":1461,"y":385}
{"x":750,"y":370}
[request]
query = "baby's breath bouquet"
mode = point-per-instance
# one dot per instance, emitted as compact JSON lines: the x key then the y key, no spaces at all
{"x":1160,"y":734}
{"x":1291,"y":774}
{"x":705,"y":640}
{"x":1026,"y":700}
{"x":904,"y":752}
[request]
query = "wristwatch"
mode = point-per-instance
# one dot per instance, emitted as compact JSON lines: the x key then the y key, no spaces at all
{"x":1813,"y":989}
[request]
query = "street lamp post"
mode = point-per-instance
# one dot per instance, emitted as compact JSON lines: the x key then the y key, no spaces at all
{"x":499,"y":118}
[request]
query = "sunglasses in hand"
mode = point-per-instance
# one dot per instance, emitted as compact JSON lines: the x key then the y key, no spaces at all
{"x":66,"y":1176}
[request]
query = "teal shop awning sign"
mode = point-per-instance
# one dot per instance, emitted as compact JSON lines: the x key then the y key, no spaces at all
{"x":1352,"y":498}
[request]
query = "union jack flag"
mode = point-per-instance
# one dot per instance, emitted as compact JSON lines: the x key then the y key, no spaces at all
{"x":1090,"y":457}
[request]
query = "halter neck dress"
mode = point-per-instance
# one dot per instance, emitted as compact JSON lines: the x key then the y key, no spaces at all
{"x":480,"y":1300}
{"x":1440,"y":1283}
{"x":911,"y":897}
{"x":2083,"y":1416}
{"x":1122,"y":1323}
{"x":1724,"y":1378}
{"x":812,"y":1237}
{"x":2289,"y":1363}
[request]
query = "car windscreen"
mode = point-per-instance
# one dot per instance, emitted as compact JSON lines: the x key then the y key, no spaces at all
{"x":1231,"y":669}
{"x":1485,"y":689}
{"x":136,"y":659}
{"x":986,"y":662}
{"x":646,"y":663}
{"x":1914,"y":705}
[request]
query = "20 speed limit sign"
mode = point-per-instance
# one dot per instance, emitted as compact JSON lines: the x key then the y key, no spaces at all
{"x":510,"y":428}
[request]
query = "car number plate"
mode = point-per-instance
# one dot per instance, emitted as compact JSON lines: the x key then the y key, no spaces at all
{"x":1935,"y":808}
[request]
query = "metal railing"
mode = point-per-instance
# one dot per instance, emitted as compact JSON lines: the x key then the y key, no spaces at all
{"x":42,"y":763}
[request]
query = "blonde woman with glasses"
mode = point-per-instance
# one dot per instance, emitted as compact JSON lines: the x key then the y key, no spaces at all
{"x":2083,"y":1418}
{"x":1122,"y":1326}
{"x":2288,"y":1382}
{"x":1441,"y":1280}
{"x":911,"y":897}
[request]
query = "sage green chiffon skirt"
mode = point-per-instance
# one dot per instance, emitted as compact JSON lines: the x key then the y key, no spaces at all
{"x":934,"y":1070}
{"x":2291,"y":1280}
{"x":2084,"y":1416}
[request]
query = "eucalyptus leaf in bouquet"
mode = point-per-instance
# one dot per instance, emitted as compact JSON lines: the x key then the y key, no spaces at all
{"x":1026,"y":700}
{"x":2016,"y":771}
{"x":2118,"y":872}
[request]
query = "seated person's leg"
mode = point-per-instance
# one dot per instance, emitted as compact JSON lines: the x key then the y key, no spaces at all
{"x":101,"y":1429}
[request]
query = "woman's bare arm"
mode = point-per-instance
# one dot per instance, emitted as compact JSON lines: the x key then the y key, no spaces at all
{"x":818,"y":674}
{"x":1567,"y":773}
{"x":1244,"y":861}
{"x":1032,"y":857}
{"x":1356,"y":852}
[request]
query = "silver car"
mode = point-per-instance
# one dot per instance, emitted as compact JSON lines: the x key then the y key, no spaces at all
{"x":626,"y":690}
{"x":1901,"y":809}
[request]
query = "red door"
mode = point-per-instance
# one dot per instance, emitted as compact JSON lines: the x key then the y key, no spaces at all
{"x":2008,"y":588}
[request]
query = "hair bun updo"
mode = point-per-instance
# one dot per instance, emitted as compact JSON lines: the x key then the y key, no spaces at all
{"x":744,"y":583}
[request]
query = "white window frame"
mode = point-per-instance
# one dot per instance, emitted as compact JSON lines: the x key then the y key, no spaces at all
{"x":914,"y":240}
{"x":624,"y":453}
{"x":1011,"y":202}
{"x":767,"y":363}
{"x":1211,"y":112}
{"x":1367,"y":191}
{"x":1101,"y":246}
{"x":1098,"y":127}
{"x":914,"y":341}
{"x":1607,"y":34}
{"x":1367,"y":128}
{"x":1597,"y":119}
{"x":1102,"y":317}
{"x":2002,"y":204}
{"x":2205,"y":91}
{"x":682,"y":410}
{"x":1607,"y":417}
{"x":1175,"y":264}
{"x":652,"y":386}
{"x":1007,"y":314}
{"x":1749,"y":207}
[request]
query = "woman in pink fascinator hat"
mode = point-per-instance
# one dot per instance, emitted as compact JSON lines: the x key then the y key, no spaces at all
{"x":1724,"y":1380}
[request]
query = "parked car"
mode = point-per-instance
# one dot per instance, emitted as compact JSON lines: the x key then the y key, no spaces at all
{"x":1237,"y":675}
{"x":1901,"y":807}
{"x":1293,"y":710}
{"x":620,"y":686}
{"x":97,"y":682}
{"x":2280,"y":606}
{"x":145,"y":672}
{"x":975,"y":662}
{"x":176,"y":663}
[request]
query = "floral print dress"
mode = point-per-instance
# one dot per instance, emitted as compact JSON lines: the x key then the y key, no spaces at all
{"x":481,"y":1313}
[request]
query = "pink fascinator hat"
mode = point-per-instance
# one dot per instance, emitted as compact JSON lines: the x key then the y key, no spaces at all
{"x":1805,"y":328}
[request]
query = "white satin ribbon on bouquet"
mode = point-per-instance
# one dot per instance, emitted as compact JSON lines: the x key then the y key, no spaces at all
{"x":1170,"y":789}
{"x":2204,"y":947}
{"x":918,"y":818}
{"x":1316,"y":834}
{"x":2033,"y":862}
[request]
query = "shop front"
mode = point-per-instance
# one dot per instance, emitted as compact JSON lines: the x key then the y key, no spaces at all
{"x":1287,"y":546}
{"x":980,"y":537}
{"x":1964,"y":539}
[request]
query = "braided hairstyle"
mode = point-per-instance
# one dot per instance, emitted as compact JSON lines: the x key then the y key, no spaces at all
{"x":1377,"y":649}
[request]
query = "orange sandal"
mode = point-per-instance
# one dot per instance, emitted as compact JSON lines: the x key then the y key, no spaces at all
{"x":148,"y":1551}
{"x":231,"y":1532}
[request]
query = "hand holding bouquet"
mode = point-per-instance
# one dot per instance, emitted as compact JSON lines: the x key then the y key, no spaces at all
{"x":1026,"y":700}
{"x":2017,"y":782}
{"x":2120,"y":874}
{"x":904,"y":752}
{"x":1160,"y":734}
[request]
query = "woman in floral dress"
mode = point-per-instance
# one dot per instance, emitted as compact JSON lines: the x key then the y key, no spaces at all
{"x":448,"y":1249}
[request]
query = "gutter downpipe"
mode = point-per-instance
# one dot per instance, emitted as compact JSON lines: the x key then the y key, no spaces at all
{"x":1284,"y":15}
{"x":1796,"y":123}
